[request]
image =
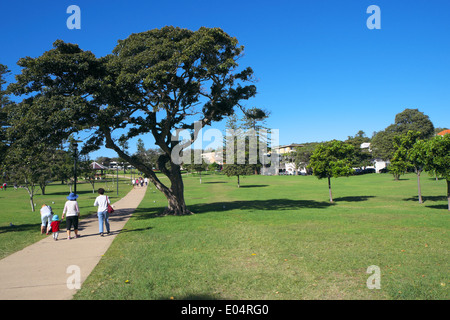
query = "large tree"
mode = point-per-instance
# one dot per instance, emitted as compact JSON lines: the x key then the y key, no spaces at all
{"x":409,"y":119}
{"x":154,"y":82}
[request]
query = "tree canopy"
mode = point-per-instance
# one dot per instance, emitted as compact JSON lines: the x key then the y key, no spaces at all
{"x":409,"y":119}
{"x":332,"y":159}
{"x":153,"y":82}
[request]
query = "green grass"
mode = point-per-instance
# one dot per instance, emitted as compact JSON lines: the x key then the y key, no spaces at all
{"x":279,"y":238}
{"x":15,"y":208}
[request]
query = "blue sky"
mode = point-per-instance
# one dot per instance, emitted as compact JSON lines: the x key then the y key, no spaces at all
{"x":321,"y":72}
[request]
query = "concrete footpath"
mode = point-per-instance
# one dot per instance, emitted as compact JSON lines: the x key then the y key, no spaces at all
{"x":50,"y":270}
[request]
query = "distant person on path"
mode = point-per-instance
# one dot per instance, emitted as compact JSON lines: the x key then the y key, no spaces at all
{"x":137,"y":182}
{"x":46,"y":218}
{"x":102,"y":202}
{"x":72,"y":213}
{"x":55,"y":226}
{"x":142,"y":181}
{"x":146,"y":181}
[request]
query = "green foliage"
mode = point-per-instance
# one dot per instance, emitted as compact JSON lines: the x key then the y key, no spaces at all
{"x":409,"y":119}
{"x":332,"y":160}
{"x":438,"y":156}
{"x":153,"y":82}
{"x":361,"y":157}
{"x":401,"y":160}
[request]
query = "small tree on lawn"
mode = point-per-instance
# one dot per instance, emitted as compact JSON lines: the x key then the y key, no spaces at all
{"x":400,"y":161}
{"x":417,"y":155}
{"x":238,"y":170}
{"x":438,"y":159}
{"x":28,"y":167}
{"x":332,"y":160}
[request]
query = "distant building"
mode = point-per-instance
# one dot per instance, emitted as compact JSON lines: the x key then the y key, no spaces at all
{"x":443,"y":133}
{"x":211,"y":157}
{"x":287,"y":148}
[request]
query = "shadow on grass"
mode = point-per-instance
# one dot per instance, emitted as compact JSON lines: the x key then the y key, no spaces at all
{"x":261,"y":205}
{"x":208,"y":182}
{"x":431,"y":198}
{"x":426,"y":198}
{"x":439,"y":206}
{"x":353,"y":198}
{"x":253,"y":186}
{"x":20,"y":227}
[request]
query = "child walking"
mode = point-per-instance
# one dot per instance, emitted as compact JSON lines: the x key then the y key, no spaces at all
{"x":55,"y":226}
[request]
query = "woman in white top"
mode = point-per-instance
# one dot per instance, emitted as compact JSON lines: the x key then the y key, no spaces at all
{"x":102,"y":202}
{"x":72,"y":213}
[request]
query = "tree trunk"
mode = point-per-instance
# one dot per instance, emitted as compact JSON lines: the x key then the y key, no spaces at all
{"x":239,"y":183}
{"x":175,"y":195}
{"x":329,"y":189}
{"x":32,"y":203}
{"x":42,"y":189}
{"x":418,"y":186}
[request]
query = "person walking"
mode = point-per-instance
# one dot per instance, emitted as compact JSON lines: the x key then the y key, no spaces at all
{"x":72,"y":213}
{"x":55,"y":226}
{"x":102,"y":202}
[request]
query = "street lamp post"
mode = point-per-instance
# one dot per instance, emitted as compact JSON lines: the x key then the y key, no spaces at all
{"x":75,"y":157}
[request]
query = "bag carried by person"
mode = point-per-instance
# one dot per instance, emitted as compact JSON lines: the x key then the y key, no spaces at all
{"x":110,"y":209}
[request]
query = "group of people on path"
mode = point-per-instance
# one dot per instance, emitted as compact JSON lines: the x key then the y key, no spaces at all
{"x":51,"y":222}
{"x":139,"y":182}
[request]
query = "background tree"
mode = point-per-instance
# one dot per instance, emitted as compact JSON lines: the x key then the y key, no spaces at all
{"x":154,"y":82}
{"x":332,"y":160}
{"x":4,"y":102}
{"x":193,"y":166}
{"x":362,"y":157}
{"x":213,"y":167}
{"x":302,"y":156}
{"x":240,"y":162}
{"x":410,"y":119}
{"x":147,"y":156}
{"x":28,"y":166}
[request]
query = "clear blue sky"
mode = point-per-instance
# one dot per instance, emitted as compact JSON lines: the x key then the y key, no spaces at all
{"x":321,"y":72}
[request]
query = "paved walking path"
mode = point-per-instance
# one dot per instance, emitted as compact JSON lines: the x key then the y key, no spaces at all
{"x":43,"y":270}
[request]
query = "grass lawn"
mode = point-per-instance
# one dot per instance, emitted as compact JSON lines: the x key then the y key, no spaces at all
{"x":15,"y":208}
{"x":279,"y":238}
